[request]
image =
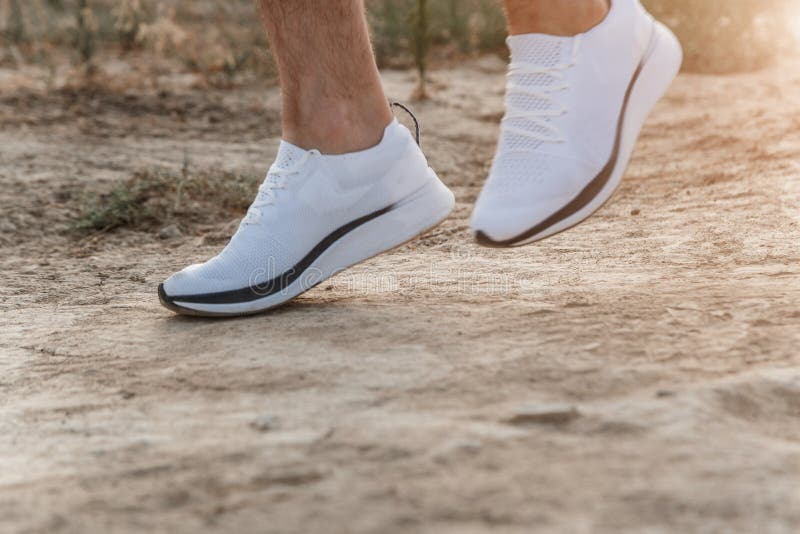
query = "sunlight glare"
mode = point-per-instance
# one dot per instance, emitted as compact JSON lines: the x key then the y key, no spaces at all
{"x":794,"y":25}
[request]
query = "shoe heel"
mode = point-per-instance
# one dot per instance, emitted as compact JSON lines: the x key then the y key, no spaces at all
{"x":660,"y":67}
{"x":419,"y":212}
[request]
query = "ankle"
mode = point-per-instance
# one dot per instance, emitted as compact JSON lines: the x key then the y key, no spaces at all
{"x":336,"y":126}
{"x":553,"y":18}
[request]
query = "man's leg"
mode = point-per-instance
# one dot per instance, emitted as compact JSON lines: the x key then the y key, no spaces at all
{"x":330,"y":87}
{"x":554,"y":17}
{"x":584,"y":75}
{"x":348,"y":181}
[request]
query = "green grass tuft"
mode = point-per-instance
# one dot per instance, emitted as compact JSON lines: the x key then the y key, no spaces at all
{"x":152,"y":199}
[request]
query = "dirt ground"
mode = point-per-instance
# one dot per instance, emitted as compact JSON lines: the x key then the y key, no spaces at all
{"x":640,"y":373}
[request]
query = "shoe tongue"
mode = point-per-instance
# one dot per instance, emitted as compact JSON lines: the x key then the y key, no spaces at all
{"x":288,"y":155}
{"x":540,"y":49}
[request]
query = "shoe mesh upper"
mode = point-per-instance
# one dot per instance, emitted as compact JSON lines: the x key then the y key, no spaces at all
{"x":287,"y":155}
{"x":518,"y":172}
{"x":518,"y":167}
{"x":543,"y":51}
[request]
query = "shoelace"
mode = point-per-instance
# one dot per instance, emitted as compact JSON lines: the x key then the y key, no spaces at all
{"x":549,"y":133}
{"x":411,"y":114}
{"x":267,"y":191}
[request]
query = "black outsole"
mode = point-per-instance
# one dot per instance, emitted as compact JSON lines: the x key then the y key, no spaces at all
{"x":169,"y":302}
{"x":487,"y":242}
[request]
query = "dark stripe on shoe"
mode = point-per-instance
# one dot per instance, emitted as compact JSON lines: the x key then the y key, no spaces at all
{"x":587,"y":194}
{"x":275,"y":285}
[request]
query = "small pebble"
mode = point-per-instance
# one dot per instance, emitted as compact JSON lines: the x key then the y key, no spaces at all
{"x":265,"y":423}
{"x":169,"y":232}
{"x":8,"y":227}
{"x":544,"y":414}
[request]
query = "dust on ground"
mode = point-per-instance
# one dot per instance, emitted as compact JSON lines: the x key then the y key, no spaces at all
{"x":639,"y":373}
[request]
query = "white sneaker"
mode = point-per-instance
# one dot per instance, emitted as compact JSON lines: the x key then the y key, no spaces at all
{"x":314,"y":216}
{"x":575,"y":106}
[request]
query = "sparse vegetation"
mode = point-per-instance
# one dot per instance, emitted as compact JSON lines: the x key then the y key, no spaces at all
{"x":129,"y":15}
{"x":153,"y":198}
{"x":85,"y":34}
{"x":15,"y":28}
{"x":420,"y":45}
{"x":223,"y":44}
{"x":451,"y":27}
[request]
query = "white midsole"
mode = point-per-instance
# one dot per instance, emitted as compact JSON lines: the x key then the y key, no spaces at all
{"x":420,"y":211}
{"x":658,"y":72}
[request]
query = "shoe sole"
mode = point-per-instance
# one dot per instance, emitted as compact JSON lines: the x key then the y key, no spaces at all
{"x":658,"y":69}
{"x":354,"y":243}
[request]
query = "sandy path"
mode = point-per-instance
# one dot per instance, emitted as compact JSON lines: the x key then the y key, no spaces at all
{"x":637,"y":374}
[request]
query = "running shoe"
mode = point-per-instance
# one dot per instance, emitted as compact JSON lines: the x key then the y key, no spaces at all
{"x":574,"y":110}
{"x":314,"y":216}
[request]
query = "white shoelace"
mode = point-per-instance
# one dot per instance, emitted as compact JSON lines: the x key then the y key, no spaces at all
{"x":549,"y":132}
{"x":267,"y":191}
